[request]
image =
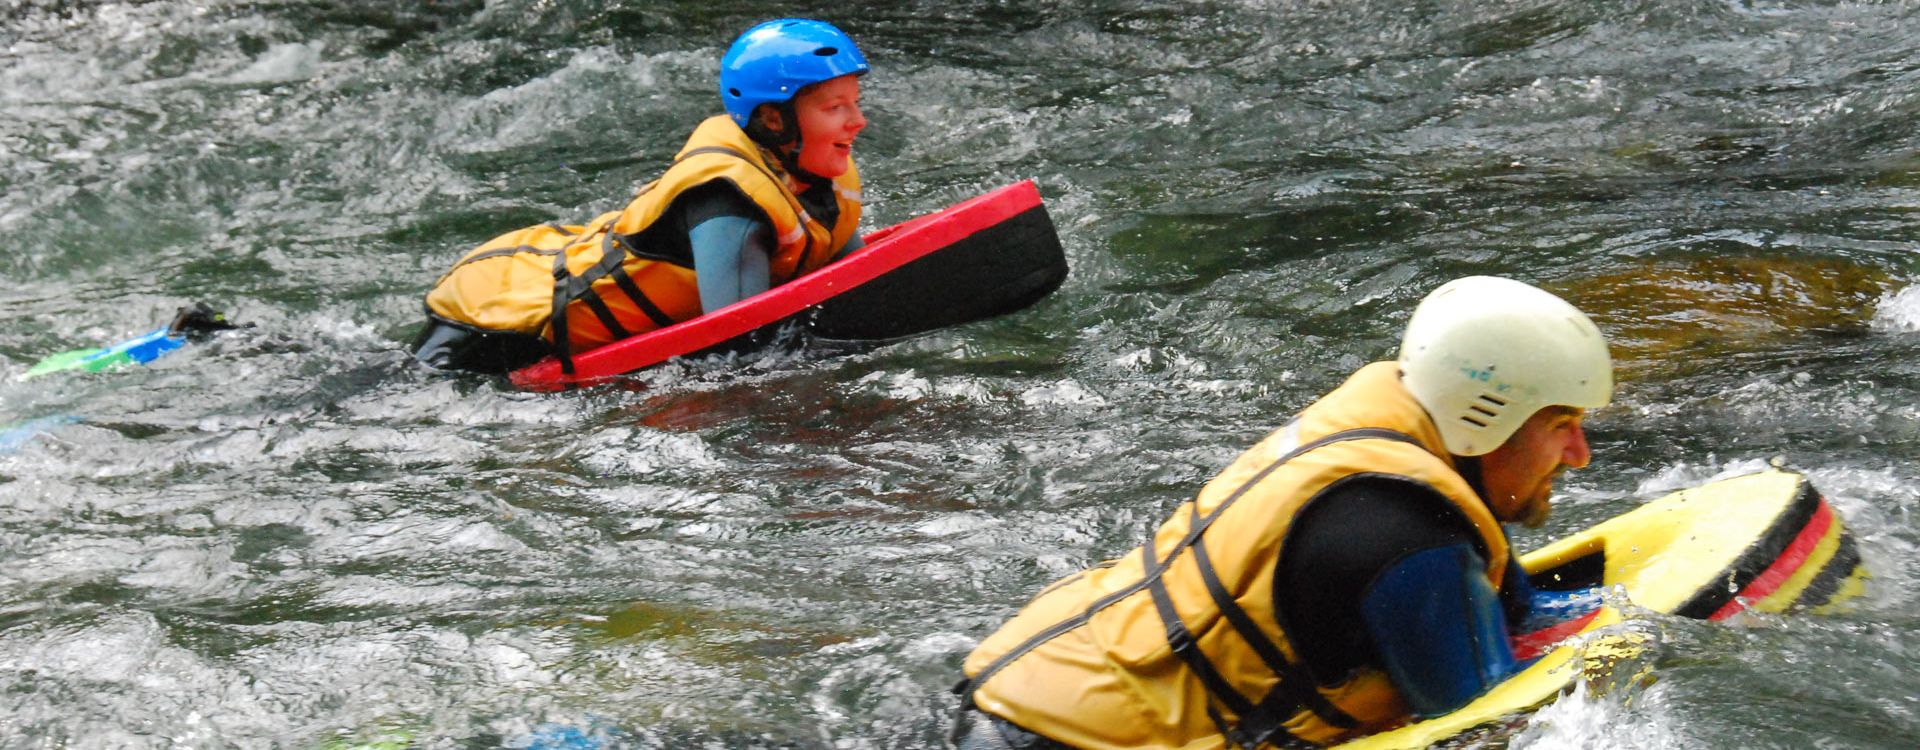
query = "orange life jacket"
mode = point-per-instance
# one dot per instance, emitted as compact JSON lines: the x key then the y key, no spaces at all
{"x":583,"y":286}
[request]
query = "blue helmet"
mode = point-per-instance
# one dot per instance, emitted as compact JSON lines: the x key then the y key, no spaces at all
{"x":770,"y":62}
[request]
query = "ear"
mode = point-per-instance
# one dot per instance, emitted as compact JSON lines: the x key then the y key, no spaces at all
{"x":770,"y":118}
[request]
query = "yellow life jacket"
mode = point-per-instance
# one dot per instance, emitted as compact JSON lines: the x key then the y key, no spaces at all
{"x":582,"y":286}
{"x":1177,"y":645}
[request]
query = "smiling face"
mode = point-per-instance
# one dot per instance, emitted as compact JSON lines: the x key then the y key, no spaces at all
{"x":1518,"y":475}
{"x":830,"y":118}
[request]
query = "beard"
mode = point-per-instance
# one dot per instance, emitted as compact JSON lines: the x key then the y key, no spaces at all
{"x":1534,"y":514}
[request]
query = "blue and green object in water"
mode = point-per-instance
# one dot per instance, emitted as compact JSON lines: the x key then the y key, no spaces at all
{"x":135,"y":351}
{"x":193,"y":320}
{"x":189,"y":323}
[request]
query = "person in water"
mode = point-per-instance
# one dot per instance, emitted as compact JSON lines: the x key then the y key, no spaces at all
{"x":756,"y":198}
{"x":1347,"y":573}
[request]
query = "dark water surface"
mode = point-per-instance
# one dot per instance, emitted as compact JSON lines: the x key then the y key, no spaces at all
{"x":292,"y":537}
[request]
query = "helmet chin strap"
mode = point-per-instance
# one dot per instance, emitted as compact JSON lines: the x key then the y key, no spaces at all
{"x":1472,"y":470}
{"x":784,"y":143}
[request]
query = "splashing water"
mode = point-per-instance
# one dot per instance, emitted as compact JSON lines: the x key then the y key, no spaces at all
{"x":292,"y":537}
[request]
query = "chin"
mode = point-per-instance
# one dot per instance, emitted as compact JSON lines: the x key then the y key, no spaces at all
{"x":1535,"y":519}
{"x":830,"y":165}
{"x":830,"y":172}
{"x":1535,"y":514}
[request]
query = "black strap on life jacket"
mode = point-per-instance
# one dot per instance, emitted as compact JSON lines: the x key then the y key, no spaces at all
{"x":1181,"y":640}
{"x":562,"y":347}
{"x":1262,"y":722}
{"x":568,"y":288}
{"x":581,"y":287}
{"x":628,"y":287}
{"x":516,"y":250}
{"x":1257,"y":723}
{"x":614,"y":251}
{"x":1295,"y":688}
{"x":499,"y":251}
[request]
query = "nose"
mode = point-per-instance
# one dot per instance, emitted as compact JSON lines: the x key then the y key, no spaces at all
{"x":1575,"y":453}
{"x":858,"y":122}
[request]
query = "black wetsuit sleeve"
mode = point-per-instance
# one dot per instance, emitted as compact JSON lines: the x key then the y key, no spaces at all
{"x":669,"y":238}
{"x":711,"y":201}
{"x":1340,"y":542}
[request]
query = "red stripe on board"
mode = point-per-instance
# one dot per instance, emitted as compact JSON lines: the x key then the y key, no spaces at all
{"x":1529,"y":645}
{"x":1790,"y":561}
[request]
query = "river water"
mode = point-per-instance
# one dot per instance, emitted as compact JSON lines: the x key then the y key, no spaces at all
{"x":293,"y":537}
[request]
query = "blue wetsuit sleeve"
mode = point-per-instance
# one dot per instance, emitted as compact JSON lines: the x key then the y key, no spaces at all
{"x":730,"y":259}
{"x":1437,"y":625}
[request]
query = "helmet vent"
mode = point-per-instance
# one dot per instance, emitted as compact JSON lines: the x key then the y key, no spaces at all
{"x":735,"y":92}
{"x":827,"y":51}
{"x":1483,"y":410}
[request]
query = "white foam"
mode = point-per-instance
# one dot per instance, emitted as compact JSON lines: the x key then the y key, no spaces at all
{"x":1898,"y":312}
{"x":281,"y":63}
{"x":521,"y":115}
{"x":634,"y":451}
{"x":1581,"y":720}
{"x":1682,"y":475}
{"x":1063,"y":393}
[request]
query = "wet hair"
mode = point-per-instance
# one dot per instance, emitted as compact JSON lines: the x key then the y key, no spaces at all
{"x":784,"y":143}
{"x":788,"y":136}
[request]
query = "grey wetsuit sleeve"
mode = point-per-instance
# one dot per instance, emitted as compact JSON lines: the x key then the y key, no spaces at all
{"x":730,"y":258}
{"x":854,"y":245}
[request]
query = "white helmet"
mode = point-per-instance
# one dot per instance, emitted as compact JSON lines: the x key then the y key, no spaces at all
{"x":1483,"y":353}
